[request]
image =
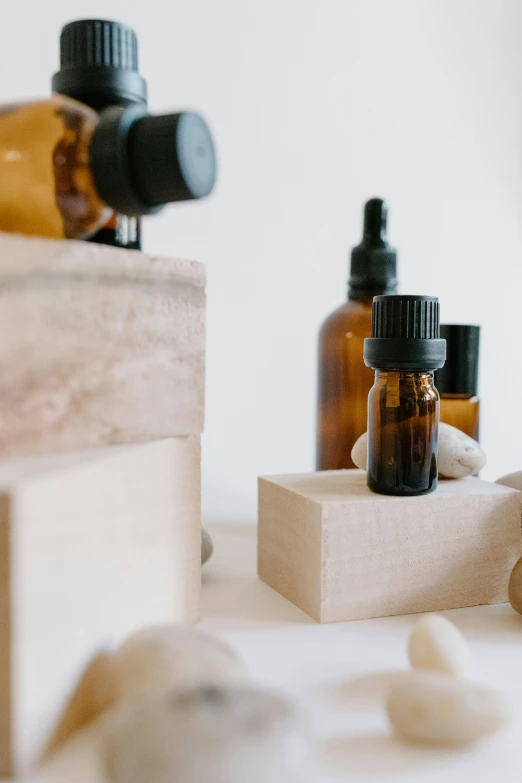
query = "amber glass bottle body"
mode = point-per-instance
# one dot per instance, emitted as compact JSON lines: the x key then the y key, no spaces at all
{"x":461,"y":411}
{"x":46,"y":185}
{"x":344,"y":383}
{"x":403,"y":418}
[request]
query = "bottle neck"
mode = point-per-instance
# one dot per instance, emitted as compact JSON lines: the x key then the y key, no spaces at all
{"x":357,"y":294}
{"x":427,"y":375}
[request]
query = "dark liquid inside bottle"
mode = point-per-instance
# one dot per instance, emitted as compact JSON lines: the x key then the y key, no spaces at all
{"x":403,"y":413}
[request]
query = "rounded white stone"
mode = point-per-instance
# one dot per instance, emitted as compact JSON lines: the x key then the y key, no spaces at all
{"x":437,"y":645}
{"x":171,"y":656}
{"x":459,"y":455}
{"x":221,"y":734}
{"x":513,"y":480}
{"x":430,"y":708}
{"x":360,"y":451}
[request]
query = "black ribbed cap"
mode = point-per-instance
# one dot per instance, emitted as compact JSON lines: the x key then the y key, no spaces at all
{"x":99,"y":64}
{"x":405,"y":334}
{"x":140,"y":162}
{"x":460,"y":373}
{"x":373,"y":268}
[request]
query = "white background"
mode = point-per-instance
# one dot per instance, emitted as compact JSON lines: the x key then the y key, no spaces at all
{"x":315,"y":106}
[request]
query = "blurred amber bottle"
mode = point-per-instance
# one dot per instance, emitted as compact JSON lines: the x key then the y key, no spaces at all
{"x":457,"y":381}
{"x":64,"y":169}
{"x":344,"y":379}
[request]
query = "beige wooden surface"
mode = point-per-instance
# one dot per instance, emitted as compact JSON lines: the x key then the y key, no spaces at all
{"x":90,"y":335}
{"x":92,"y":546}
{"x":339,"y":673}
{"x":341,"y":552}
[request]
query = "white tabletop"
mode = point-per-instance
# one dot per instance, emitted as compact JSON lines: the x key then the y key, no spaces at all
{"x":339,"y":673}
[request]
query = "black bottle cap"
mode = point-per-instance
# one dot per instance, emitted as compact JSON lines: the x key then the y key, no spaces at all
{"x":99,"y":64}
{"x":405,"y":334}
{"x":140,"y":162}
{"x":373,"y":268}
{"x":460,"y":373}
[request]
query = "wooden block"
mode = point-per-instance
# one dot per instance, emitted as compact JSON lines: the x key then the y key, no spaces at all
{"x":92,"y":546}
{"x":340,"y":552}
{"x":98,"y":346}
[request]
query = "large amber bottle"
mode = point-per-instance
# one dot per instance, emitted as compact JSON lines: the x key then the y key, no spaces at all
{"x":64,"y":169}
{"x":344,"y":380}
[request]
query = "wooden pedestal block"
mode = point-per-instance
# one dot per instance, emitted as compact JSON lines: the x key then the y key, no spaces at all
{"x":97,"y":346}
{"x":92,"y":546}
{"x":340,"y":552}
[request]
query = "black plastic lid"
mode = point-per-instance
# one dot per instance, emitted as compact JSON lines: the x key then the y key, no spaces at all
{"x":405,"y":334}
{"x":140,"y":162}
{"x":99,"y":64}
{"x":373,"y":268}
{"x":460,"y":373}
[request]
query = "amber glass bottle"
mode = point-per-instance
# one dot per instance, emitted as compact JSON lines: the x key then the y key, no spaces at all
{"x":64,"y":169}
{"x":343,"y":379}
{"x":99,"y":67}
{"x":403,"y":405}
{"x":457,"y":381}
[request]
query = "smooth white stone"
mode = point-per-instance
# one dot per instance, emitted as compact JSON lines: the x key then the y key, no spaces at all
{"x":171,"y":656}
{"x":513,"y":480}
{"x":360,"y":451}
{"x":213,"y":733}
{"x":437,"y":645}
{"x":436,"y":709}
{"x":459,"y":455}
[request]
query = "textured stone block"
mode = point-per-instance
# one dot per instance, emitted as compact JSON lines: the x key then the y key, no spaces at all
{"x":98,"y":346}
{"x":340,"y":552}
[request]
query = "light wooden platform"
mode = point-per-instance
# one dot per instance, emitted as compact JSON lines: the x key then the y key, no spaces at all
{"x":341,"y":552}
{"x":93,"y":545}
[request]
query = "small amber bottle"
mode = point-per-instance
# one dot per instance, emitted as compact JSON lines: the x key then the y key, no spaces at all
{"x":457,"y":381}
{"x":343,"y":379}
{"x":403,"y":406}
{"x":64,"y":169}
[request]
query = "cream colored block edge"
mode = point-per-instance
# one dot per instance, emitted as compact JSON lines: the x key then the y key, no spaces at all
{"x":92,"y":546}
{"x":340,"y":552}
{"x":99,"y":346}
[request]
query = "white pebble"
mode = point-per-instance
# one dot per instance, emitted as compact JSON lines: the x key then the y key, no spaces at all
{"x":513,"y":480}
{"x":437,"y":645}
{"x":360,"y":451}
{"x":170,"y":656}
{"x":210,"y":734}
{"x":459,"y":455}
{"x":435,"y":709}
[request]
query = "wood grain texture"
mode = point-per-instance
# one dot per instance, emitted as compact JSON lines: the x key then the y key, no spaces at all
{"x":98,"y":346}
{"x":101,"y":543}
{"x":380,"y":556}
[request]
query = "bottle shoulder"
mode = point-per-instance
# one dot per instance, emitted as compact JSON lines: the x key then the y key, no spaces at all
{"x":352,"y":315}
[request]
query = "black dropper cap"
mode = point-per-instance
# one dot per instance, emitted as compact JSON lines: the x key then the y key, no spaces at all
{"x":460,"y":373}
{"x":140,"y":162}
{"x":373,"y":268}
{"x":99,"y":64}
{"x":405,"y":334}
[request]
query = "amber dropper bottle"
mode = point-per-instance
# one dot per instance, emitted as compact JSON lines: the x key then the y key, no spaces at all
{"x":403,"y":406}
{"x":343,"y":379}
{"x":457,"y":381}
{"x":99,"y":67}
{"x":64,"y":169}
